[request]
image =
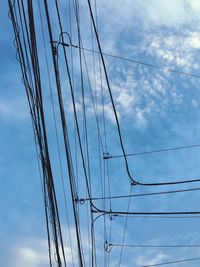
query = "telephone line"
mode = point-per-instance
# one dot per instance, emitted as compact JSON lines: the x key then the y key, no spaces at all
{"x":108,"y":156}
{"x":140,"y":195}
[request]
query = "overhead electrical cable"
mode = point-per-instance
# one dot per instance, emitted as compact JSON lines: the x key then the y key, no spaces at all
{"x":152,"y":151}
{"x":147,"y":213}
{"x":36,"y":108}
{"x":159,"y":217}
{"x":65,"y":135}
{"x":125,"y":227}
{"x":133,"y":180}
{"x":171,"y":262}
{"x":34,"y":96}
{"x":154,"y":246}
{"x":142,"y":194}
{"x":85,"y":128}
{"x":151,"y":65}
{"x":56,"y":132}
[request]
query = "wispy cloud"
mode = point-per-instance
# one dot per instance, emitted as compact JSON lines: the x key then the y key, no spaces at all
{"x":15,"y":109}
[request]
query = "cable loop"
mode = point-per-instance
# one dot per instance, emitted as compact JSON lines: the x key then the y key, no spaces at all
{"x":82,"y":201}
{"x":70,"y":40}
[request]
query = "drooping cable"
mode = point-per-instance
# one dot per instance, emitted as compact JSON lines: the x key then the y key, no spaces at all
{"x":134,"y":182}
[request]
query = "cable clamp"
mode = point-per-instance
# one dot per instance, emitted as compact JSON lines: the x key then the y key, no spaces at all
{"x":106,"y":155}
{"x":55,"y":47}
{"x":108,"y":247}
{"x":76,"y":199}
{"x":79,"y":200}
{"x":113,"y":216}
{"x":94,"y":211}
{"x":134,"y":183}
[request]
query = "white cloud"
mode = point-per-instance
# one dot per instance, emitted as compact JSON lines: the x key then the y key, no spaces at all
{"x":16,"y":109}
{"x":33,"y":254}
{"x":148,"y":260}
{"x":195,"y":103}
{"x":150,"y":13}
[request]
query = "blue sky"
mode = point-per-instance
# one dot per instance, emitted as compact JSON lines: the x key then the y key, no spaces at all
{"x":157,"y":109}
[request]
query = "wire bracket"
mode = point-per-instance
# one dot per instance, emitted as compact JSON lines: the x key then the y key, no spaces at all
{"x":76,"y":199}
{"x":133,"y":183}
{"x":108,"y":247}
{"x":106,"y":155}
{"x":113,"y":216}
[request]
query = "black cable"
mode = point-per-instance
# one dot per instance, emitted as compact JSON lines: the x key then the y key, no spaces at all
{"x":51,"y":188}
{"x":56,"y":129}
{"x":134,"y":182}
{"x":85,"y":128}
{"x":36,"y":109}
{"x":65,"y":135}
{"x":147,"y":213}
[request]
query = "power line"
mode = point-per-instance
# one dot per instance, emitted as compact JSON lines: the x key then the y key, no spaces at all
{"x":107,"y":156}
{"x":125,"y":227}
{"x":116,"y":213}
{"x":65,"y":135}
{"x":171,"y":262}
{"x":154,"y":246}
{"x":140,"y":195}
{"x":143,"y":63}
{"x":133,"y":180}
{"x":151,"y":65}
{"x":159,"y":217}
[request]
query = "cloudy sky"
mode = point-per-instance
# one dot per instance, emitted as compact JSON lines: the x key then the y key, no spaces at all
{"x":156,"y":109}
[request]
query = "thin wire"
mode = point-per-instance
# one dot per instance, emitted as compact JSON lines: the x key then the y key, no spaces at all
{"x":65,"y":135}
{"x":171,"y":262}
{"x":134,"y":182}
{"x":85,"y":126}
{"x":37,"y":108}
{"x":56,"y":132}
{"x":159,"y":217}
{"x":154,"y":246}
{"x":152,"y":151}
{"x":143,"y":63}
{"x":125,"y":226}
{"x":110,"y":205}
{"x":143,"y":194}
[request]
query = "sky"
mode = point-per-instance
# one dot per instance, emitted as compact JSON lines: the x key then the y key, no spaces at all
{"x":156,"y":109}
